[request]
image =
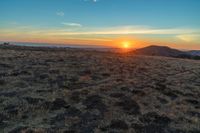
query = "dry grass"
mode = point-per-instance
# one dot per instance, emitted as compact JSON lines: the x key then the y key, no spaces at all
{"x":74,"y":90}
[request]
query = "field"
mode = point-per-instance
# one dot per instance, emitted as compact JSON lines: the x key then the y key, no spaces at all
{"x":74,"y":90}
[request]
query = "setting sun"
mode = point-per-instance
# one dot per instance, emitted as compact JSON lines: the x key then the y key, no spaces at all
{"x":126,"y":44}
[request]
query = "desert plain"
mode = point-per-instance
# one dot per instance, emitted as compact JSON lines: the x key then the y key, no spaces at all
{"x":79,"y":91}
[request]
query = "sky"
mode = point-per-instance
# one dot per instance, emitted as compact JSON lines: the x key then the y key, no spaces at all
{"x":175,"y":23}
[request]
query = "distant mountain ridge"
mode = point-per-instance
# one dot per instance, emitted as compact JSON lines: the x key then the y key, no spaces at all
{"x":154,"y":50}
{"x":159,"y":51}
{"x":194,"y":52}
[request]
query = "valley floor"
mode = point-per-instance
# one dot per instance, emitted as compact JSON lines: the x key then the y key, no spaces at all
{"x":75,"y":90}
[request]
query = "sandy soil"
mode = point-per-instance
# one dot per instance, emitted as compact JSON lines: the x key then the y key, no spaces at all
{"x":74,"y":91}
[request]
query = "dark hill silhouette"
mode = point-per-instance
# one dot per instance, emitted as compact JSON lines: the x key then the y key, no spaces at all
{"x":161,"y":51}
{"x":194,"y":52}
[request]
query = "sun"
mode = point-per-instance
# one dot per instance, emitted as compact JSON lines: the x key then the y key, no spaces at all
{"x":126,"y":44}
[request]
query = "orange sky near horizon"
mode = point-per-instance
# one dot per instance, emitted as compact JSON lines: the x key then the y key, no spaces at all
{"x":138,"y":37}
{"x":108,"y":42}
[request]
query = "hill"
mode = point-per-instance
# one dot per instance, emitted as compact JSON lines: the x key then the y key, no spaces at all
{"x":161,"y":51}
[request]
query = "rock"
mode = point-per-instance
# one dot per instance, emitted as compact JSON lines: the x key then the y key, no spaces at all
{"x":129,"y":106}
{"x":85,"y":72}
{"x":154,"y":118}
{"x":69,"y":131}
{"x":61,"y":81}
{"x":192,"y":101}
{"x":46,"y":105}
{"x":18,"y":72}
{"x":21,"y":84}
{"x":138,"y":92}
{"x":160,"y":87}
{"x":11,"y":109}
{"x":87,"y":123}
{"x":94,"y":102}
{"x":124,"y":88}
{"x":170,"y":94}
{"x":59,"y":103}
{"x":44,"y":91}
{"x":54,"y":71}
{"x":8,"y":94}
{"x":75,"y":96}
{"x":106,"y":75}
{"x":33,"y":101}
{"x":117,"y":95}
{"x":162,"y":100}
{"x":43,"y":76}
{"x":89,"y":117}
{"x":118,"y":124}
{"x":2,"y":82}
{"x":73,"y":79}
{"x":194,"y":113}
{"x":150,"y":128}
{"x":3,"y":65}
{"x":152,"y":123}
{"x":18,"y":129}
{"x":2,"y":119}
{"x":84,"y":92}
{"x":72,"y":111}
{"x":58,"y":120}
{"x":3,"y":74}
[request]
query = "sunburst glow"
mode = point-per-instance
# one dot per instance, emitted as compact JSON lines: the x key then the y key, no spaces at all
{"x":126,"y":44}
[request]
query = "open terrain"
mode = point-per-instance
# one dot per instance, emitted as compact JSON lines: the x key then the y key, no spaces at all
{"x":80,"y":91}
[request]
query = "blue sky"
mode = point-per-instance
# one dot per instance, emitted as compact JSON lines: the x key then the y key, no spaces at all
{"x":177,"y":20}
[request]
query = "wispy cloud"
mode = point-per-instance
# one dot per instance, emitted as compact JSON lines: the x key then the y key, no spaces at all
{"x":127,"y":30}
{"x":60,"y":13}
{"x":76,"y":31}
{"x":72,"y":24}
{"x":189,"y":37}
{"x":92,"y":0}
{"x":118,"y":30}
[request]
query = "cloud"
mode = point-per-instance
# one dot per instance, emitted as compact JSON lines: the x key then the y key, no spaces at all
{"x":186,"y":34}
{"x":60,"y":13}
{"x":92,"y":0}
{"x":126,"y":30}
{"x":72,"y":24}
{"x":189,"y":37}
{"x":76,"y":31}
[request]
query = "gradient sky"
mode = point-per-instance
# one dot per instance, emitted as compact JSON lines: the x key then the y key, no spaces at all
{"x":175,"y":23}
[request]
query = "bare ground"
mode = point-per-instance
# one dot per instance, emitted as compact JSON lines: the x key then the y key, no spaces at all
{"x":82,"y":91}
